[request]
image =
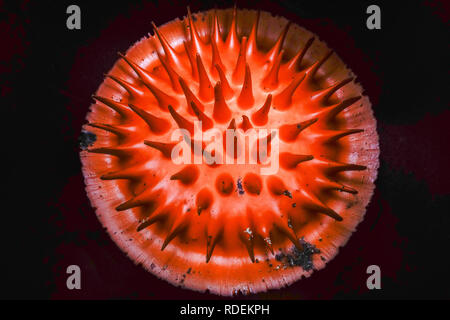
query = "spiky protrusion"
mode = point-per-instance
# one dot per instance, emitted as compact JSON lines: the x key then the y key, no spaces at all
{"x":164,"y":148}
{"x":197,"y":43}
{"x":205,"y":91}
{"x":229,"y":213}
{"x":119,"y":131}
{"x":239,"y":70}
{"x":182,"y":122}
{"x":170,"y":53}
{"x":132,"y":90}
{"x":290,"y":161}
{"x":120,"y":108}
{"x":157,"y":125}
{"x":221,"y":112}
{"x":270,"y":82}
{"x":227,"y":91}
{"x":296,"y":60}
{"x":246,"y":98}
{"x":252,"y":43}
{"x":261,"y":116}
{"x":190,"y":97}
{"x":283,"y":100}
{"x":187,"y":175}
{"x":207,"y":122}
{"x":290,"y":132}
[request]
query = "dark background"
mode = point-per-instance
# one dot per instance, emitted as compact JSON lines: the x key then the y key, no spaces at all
{"x":48,"y":73}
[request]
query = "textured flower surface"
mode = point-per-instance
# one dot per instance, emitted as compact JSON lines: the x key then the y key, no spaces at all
{"x":225,"y":227}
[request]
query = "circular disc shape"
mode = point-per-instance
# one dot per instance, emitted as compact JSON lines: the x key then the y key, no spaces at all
{"x":168,"y":200}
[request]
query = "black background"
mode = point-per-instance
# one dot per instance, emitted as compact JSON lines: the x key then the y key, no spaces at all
{"x":48,"y":73}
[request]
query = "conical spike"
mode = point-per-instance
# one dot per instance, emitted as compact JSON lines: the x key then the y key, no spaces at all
{"x":205,"y":90}
{"x":132,"y":203}
{"x":348,"y":189}
{"x":325,"y":94}
{"x":163,"y":99}
{"x":181,"y":121}
{"x":290,"y":132}
{"x":283,"y":100}
{"x":170,"y":53}
{"x":270,"y":82}
{"x":290,"y":161}
{"x":331,"y":112}
{"x":227,"y":91}
{"x":210,"y":248}
{"x":252,"y":183}
{"x":313,"y":203}
{"x":152,"y":84}
{"x":288,"y":232}
{"x":198,"y":45}
{"x":260,"y":117}
{"x":268,"y":242}
{"x":297,"y":59}
{"x":246,"y":99}
{"x":148,"y":196}
{"x":213,"y":234}
{"x":232,"y":124}
{"x":232,"y":39}
{"x":180,"y":224}
{"x":330,"y":136}
{"x":252,"y":45}
{"x":143,"y":74}
{"x":171,"y":73}
{"x":130,"y":88}
{"x":148,"y":222}
{"x":246,"y":237}
{"x":333,"y":166}
{"x":265,"y":234}
{"x":118,"y":152}
{"x":276,"y":186}
{"x":158,"y":215}
{"x":221,"y":112}
{"x":343,"y":105}
{"x":131,"y":173}
{"x":193,"y":63}
{"x":190,"y":97}
{"x":312,"y":70}
{"x":204,"y":200}
{"x":215,"y":59}
{"x":118,"y":107}
{"x":245,"y":124}
{"x":328,"y":184}
{"x":216,"y":38}
{"x":157,"y":125}
{"x":120,"y":132}
{"x":239,"y":69}
{"x":188,"y":175}
{"x":348,"y":167}
{"x":276,"y":49}
{"x":164,"y":148}
{"x":207,"y":123}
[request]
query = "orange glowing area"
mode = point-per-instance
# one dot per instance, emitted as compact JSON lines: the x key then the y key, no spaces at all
{"x":282,"y":101}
